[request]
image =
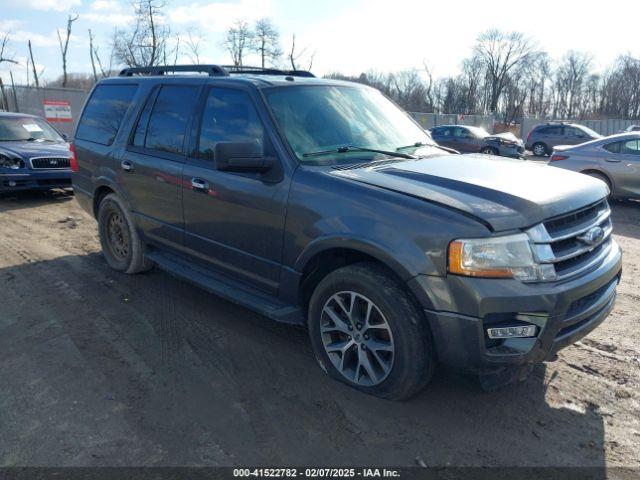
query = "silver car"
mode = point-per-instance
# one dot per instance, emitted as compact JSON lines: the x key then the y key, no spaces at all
{"x":615,"y":160}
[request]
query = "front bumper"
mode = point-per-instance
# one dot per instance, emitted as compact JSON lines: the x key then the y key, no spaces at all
{"x":460,"y":309}
{"x":516,"y":151}
{"x":31,"y":180}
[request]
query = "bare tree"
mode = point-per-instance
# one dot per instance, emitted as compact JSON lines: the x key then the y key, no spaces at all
{"x":193,"y":41}
{"x":501,"y":54}
{"x":4,"y":53}
{"x":146,"y":42}
{"x":64,"y":46}
{"x":571,"y":77}
{"x":295,"y":57}
{"x":93,"y":62}
{"x":33,"y":65}
{"x":266,"y":42}
{"x":238,"y":40}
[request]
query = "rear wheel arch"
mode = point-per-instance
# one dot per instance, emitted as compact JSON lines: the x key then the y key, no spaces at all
{"x":99,"y":195}
{"x":602,"y":175}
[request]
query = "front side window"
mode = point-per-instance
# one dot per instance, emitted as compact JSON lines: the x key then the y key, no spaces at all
{"x":27,"y":129}
{"x":167,"y":124}
{"x":320,"y":118}
{"x":104,"y":113}
{"x":228,"y":116}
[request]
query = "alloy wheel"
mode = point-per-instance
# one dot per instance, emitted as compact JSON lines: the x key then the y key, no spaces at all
{"x":357,"y":338}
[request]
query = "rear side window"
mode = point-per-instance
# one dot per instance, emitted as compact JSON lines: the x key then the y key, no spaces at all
{"x":551,"y":131}
{"x":166,"y":126}
{"x":104,"y":113}
{"x":229,"y":116}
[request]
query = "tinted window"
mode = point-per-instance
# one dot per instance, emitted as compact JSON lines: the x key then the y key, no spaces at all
{"x":143,"y":121}
{"x":552,"y":131}
{"x":613,"y":147}
{"x":104,"y":113}
{"x":169,"y":119}
{"x":229,"y":116}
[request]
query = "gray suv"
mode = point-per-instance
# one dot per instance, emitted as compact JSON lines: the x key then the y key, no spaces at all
{"x":320,"y":203}
{"x":543,"y":138}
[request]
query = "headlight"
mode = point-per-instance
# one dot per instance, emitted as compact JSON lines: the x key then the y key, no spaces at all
{"x":6,"y":162}
{"x":509,"y":256}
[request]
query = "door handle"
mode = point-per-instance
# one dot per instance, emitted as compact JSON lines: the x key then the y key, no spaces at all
{"x":126,"y":165}
{"x":612,"y":160}
{"x":200,"y":184}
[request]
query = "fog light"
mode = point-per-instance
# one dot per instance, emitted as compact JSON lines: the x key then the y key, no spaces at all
{"x":512,"y":332}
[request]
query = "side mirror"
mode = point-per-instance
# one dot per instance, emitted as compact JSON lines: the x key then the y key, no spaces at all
{"x":241,"y":157}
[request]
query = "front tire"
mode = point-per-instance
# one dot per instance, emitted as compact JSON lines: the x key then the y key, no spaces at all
{"x":489,"y":151}
{"x":368,"y":333}
{"x":121,"y":244}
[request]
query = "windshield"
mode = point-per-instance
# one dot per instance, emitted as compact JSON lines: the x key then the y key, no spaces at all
{"x":319,"y":118}
{"x":27,"y":129}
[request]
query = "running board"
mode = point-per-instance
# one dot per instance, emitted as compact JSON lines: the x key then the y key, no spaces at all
{"x":230,"y":290}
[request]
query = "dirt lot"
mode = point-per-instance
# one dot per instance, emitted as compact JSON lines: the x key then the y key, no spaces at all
{"x":98,"y":368}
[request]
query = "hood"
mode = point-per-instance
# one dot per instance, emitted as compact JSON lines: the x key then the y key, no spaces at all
{"x":503,"y":194}
{"x":35,"y":149}
{"x":504,"y":136}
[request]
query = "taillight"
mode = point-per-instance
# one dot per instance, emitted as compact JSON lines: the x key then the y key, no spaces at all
{"x":555,"y":158}
{"x":73,"y":161}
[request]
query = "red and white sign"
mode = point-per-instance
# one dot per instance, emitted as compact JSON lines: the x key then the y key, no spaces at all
{"x":57,"y":111}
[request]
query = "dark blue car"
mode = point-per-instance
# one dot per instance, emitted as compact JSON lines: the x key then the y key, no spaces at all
{"x":33,"y":155}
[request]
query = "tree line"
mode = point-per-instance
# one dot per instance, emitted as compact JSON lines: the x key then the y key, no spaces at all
{"x":506,"y":74}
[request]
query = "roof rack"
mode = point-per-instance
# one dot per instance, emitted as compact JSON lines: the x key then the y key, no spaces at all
{"x":211,"y":70}
{"x":267,"y":71}
{"x":557,"y":122}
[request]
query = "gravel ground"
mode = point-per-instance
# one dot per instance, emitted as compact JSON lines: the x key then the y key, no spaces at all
{"x":99,"y":368}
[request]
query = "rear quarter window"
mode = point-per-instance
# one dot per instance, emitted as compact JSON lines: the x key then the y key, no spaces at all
{"x":104,"y":112}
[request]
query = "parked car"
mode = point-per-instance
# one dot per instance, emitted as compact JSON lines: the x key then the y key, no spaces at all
{"x":543,"y":138}
{"x":477,"y":140}
{"x":33,"y":155}
{"x":615,"y":160}
{"x":632,"y":128}
{"x":320,"y":203}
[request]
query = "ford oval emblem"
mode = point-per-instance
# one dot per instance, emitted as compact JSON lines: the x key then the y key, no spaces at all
{"x":592,"y":236}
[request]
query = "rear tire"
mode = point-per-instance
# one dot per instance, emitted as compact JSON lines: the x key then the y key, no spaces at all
{"x":121,"y":244}
{"x":379,"y":342}
{"x":539,"y":149}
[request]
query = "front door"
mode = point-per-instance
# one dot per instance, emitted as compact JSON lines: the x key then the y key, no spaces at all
{"x":234,"y":221}
{"x":622,"y":164}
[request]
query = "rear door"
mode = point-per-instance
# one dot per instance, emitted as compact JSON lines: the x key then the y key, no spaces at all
{"x":234,"y":221}
{"x":622,"y":163}
{"x":152,"y":162}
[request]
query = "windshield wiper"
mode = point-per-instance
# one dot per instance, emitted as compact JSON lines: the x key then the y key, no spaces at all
{"x":415,"y":145}
{"x":353,"y":148}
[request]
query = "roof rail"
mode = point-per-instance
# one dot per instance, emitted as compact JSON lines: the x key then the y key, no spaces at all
{"x":267,"y":71}
{"x":557,"y":122}
{"x":211,"y":70}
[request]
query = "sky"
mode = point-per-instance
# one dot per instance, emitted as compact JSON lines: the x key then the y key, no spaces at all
{"x":350,"y":36}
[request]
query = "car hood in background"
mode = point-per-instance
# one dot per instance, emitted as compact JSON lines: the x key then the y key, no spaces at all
{"x":504,"y":194}
{"x":504,"y":136}
{"x":35,"y":149}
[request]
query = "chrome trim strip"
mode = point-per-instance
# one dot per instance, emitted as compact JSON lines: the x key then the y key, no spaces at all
{"x":544,"y":258}
{"x":539,"y":234}
{"x":599,"y":258}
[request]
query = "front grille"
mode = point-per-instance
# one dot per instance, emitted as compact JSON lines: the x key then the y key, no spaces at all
{"x":572,"y":243}
{"x":50,"y":162}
